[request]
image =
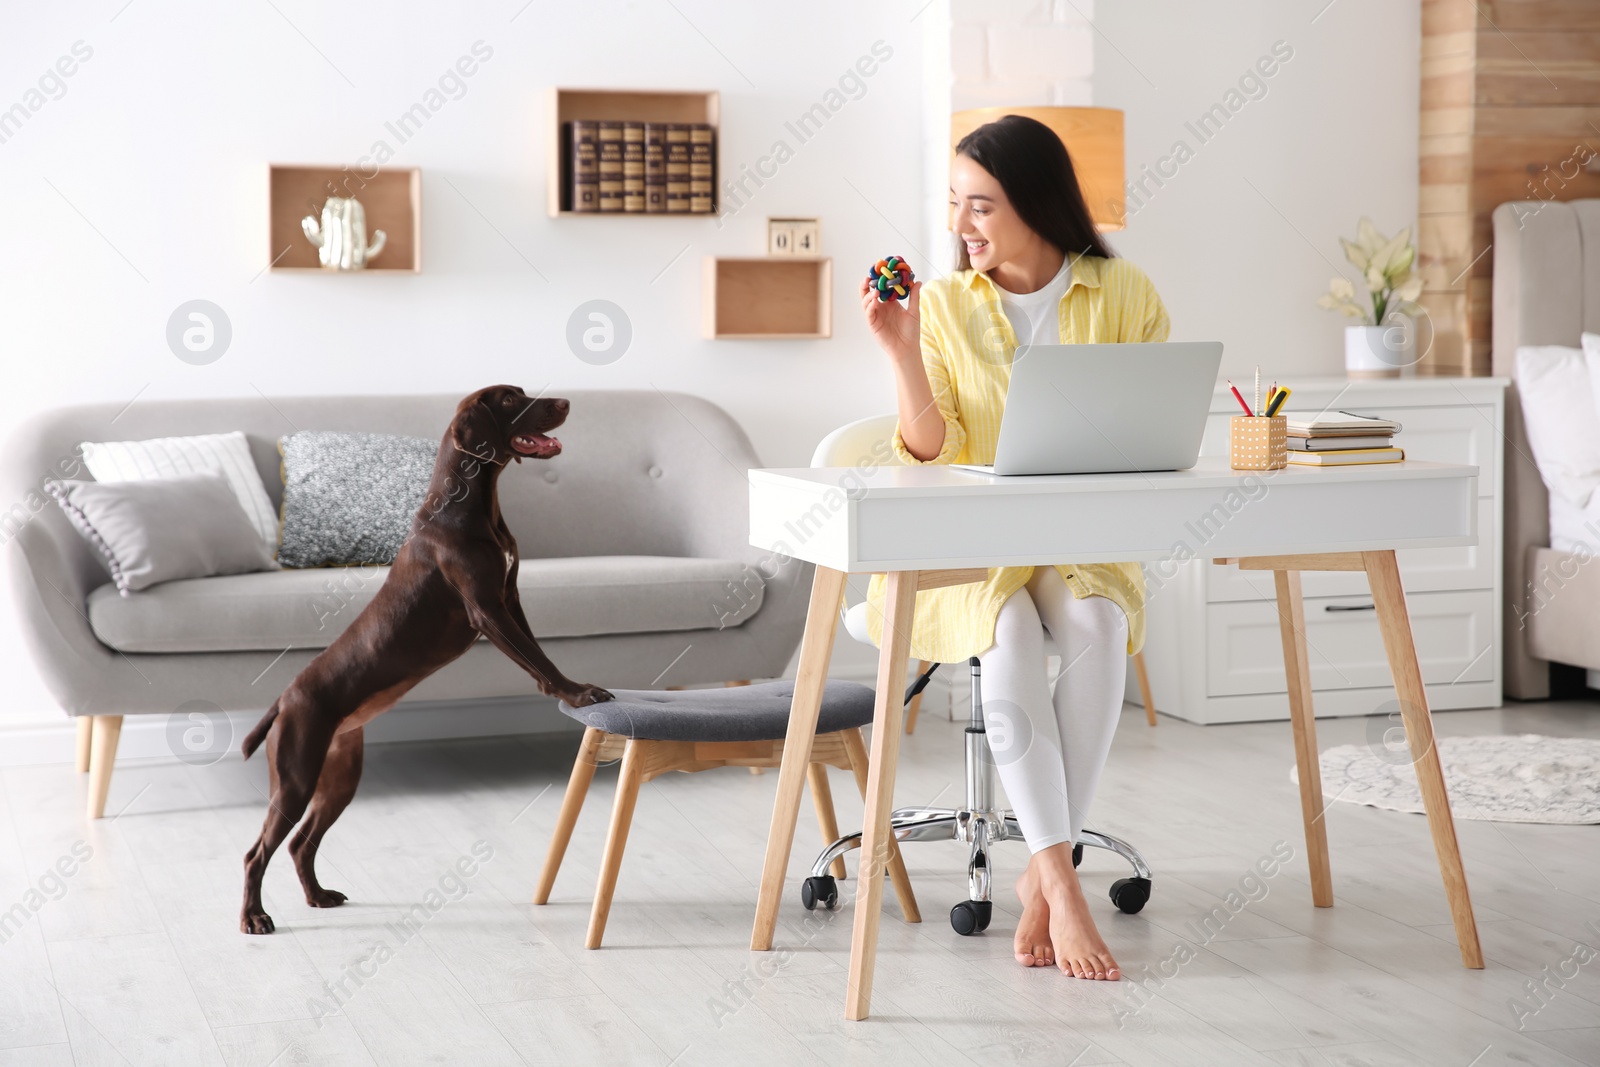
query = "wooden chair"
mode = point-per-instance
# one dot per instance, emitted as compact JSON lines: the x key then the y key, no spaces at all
{"x":654,"y":732}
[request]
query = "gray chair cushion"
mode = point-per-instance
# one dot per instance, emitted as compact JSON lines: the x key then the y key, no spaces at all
{"x":736,"y":713}
{"x":574,"y":596}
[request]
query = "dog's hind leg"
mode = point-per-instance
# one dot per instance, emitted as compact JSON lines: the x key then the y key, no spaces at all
{"x":336,"y":786}
{"x":295,"y":749}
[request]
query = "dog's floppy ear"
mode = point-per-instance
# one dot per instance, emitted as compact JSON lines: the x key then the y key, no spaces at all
{"x":472,"y":431}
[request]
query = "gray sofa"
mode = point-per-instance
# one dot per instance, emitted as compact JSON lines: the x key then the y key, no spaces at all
{"x":636,"y":567}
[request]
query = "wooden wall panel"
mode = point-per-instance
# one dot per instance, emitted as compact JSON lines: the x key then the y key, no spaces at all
{"x":1510,"y":111}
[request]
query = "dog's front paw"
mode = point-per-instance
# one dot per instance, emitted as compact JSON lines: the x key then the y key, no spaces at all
{"x":325,"y":898}
{"x":584,"y":695}
{"x":255,"y":922}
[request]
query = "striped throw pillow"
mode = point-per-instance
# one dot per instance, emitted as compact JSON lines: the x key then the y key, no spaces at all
{"x":169,"y":457}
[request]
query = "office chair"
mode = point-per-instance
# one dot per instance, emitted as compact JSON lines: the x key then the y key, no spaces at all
{"x":977,"y":822}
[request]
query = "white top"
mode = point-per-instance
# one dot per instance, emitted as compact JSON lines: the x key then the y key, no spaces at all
{"x":1035,"y":317}
{"x":933,"y":516}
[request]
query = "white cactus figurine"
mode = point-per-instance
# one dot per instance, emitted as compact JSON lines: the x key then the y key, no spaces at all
{"x":341,"y":239}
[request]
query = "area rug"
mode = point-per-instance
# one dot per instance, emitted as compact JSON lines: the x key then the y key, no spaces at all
{"x":1527,"y":778}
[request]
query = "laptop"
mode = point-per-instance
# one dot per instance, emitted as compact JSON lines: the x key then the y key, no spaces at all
{"x":1090,"y":409}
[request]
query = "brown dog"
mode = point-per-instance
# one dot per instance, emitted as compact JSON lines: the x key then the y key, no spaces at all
{"x":453,"y":579}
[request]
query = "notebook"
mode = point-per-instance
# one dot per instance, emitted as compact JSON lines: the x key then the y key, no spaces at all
{"x":1345,"y":457}
{"x":1316,"y":423}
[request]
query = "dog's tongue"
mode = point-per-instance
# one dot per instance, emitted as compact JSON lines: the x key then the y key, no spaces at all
{"x":536,"y":444}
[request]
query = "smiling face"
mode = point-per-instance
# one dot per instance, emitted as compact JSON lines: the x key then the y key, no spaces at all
{"x":502,"y":422}
{"x":984,"y":220}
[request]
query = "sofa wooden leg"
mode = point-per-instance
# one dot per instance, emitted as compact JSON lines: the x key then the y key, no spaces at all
{"x":102,"y":756}
{"x":85,"y":732}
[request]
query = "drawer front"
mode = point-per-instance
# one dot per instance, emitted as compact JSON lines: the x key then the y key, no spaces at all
{"x":1422,"y":570}
{"x":1452,"y":630}
{"x":1464,"y":434}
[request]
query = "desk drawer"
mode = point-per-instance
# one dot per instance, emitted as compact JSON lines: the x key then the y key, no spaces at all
{"x":1453,"y":633}
{"x":1422,"y":570}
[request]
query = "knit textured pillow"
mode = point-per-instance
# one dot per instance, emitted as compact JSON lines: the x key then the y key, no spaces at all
{"x":349,"y":498}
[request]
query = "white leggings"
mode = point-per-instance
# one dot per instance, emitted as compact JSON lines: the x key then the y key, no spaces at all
{"x":1050,"y":750}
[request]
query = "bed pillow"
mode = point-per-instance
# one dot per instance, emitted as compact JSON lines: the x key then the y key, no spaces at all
{"x":168,"y":457}
{"x":160,"y":529}
{"x":1591,"y":360}
{"x":1559,"y":412}
{"x":349,"y":498}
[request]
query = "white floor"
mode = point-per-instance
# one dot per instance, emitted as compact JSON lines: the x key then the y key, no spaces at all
{"x":136,"y":958}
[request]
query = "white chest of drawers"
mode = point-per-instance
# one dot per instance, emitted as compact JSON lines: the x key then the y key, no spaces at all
{"x":1212,"y":645}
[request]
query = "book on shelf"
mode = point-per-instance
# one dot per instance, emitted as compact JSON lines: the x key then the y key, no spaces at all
{"x":702,"y":155}
{"x":1339,"y":441}
{"x":678,"y":153}
{"x":610,"y":166}
{"x":655,"y":167}
{"x":1348,"y":456}
{"x":583,"y":156}
{"x":633,"y":167}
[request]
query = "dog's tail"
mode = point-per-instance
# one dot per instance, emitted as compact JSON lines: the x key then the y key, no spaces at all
{"x":256,"y":736}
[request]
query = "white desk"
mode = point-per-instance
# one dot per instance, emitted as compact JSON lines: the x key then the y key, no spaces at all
{"x":933,"y":526}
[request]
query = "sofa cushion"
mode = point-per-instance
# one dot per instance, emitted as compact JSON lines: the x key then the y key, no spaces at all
{"x":349,"y":498}
{"x":572,"y":596}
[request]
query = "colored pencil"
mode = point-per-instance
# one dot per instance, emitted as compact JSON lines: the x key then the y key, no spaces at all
{"x":1239,"y":397}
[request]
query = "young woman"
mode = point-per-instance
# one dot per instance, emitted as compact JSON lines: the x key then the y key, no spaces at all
{"x":1031,"y":270}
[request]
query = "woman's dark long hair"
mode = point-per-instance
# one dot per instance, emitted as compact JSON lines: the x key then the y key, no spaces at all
{"x":1033,"y":167}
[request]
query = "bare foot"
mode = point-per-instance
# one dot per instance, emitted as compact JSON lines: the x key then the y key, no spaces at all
{"x":1032,"y":943}
{"x":1079,"y":949}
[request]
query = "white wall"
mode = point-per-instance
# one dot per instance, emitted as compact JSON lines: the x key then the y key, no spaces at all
{"x":139,"y":183}
{"x":144,"y":186}
{"x":1244,"y":238}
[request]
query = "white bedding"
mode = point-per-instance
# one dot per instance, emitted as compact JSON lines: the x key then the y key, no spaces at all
{"x":1561,"y":412}
{"x":1575,"y":529}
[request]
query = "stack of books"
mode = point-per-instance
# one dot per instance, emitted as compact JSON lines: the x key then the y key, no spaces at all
{"x":639,"y":167}
{"x":1339,"y":438}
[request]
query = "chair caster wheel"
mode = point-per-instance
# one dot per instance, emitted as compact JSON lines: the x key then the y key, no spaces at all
{"x":819,"y":890}
{"x":971,"y":917}
{"x":1077,"y":854}
{"x":1130,"y":894}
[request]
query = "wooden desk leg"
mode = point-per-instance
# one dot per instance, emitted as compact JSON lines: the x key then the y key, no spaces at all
{"x":1383,"y":574}
{"x":816,"y":649}
{"x":899,"y":603}
{"x":1297,"y":670}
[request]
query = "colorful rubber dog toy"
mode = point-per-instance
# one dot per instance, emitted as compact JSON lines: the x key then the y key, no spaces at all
{"x":891,"y":278}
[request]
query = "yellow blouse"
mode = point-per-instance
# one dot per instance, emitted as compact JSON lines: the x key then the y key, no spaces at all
{"x":967,"y":343}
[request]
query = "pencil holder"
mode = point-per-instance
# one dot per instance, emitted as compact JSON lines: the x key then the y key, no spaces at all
{"x":1258,"y":443}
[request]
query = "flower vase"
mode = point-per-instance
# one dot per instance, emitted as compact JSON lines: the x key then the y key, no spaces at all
{"x":1376,"y":351}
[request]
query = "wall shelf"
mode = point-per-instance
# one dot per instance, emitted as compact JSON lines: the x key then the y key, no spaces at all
{"x":623,"y":105}
{"x":391,"y":200}
{"x":768,"y":298}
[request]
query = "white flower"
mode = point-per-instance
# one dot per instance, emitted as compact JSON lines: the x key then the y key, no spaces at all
{"x":1368,"y":237}
{"x":1354,"y":253}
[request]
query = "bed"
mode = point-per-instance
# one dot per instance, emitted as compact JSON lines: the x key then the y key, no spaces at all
{"x":1546,"y":292}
